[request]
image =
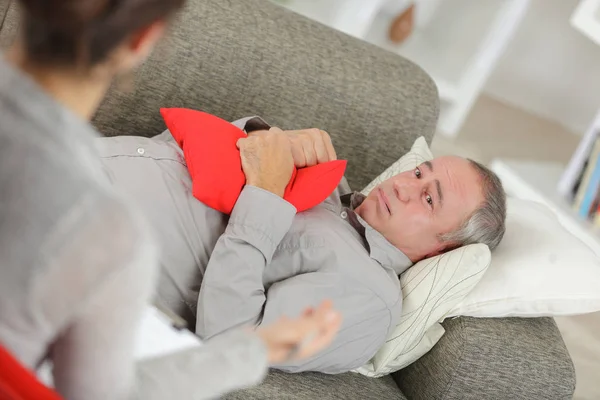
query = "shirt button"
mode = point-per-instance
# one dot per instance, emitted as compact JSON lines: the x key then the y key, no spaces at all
{"x":141,"y":150}
{"x":344,"y":214}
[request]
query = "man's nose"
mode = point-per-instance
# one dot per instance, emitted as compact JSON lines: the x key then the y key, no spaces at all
{"x":405,"y":191}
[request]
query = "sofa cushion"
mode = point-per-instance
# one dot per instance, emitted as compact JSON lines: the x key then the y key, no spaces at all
{"x":312,"y":385}
{"x":492,"y":358}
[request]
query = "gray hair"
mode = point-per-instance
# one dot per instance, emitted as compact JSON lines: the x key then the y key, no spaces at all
{"x":486,"y":224}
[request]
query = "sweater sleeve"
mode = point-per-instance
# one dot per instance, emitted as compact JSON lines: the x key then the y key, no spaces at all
{"x":234,"y":360}
{"x":93,"y":358}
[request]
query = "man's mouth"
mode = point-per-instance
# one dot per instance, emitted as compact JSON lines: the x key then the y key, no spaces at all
{"x":384,"y":200}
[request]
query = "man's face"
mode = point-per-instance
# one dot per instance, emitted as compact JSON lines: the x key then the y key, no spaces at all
{"x":412,"y":209}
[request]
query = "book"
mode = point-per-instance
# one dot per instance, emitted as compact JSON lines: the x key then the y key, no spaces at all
{"x":590,"y":186}
{"x":587,"y":175}
{"x":596,"y":218}
{"x":595,"y":205}
{"x":573,"y":193}
{"x":576,"y":165}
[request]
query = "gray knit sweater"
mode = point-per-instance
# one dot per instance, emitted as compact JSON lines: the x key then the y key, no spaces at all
{"x":77,"y":266}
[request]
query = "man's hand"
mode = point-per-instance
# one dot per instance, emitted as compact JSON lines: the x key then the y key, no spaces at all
{"x":267,"y":160}
{"x":309,"y":146}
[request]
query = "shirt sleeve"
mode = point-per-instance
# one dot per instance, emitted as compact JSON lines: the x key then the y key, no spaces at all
{"x":232,"y":292}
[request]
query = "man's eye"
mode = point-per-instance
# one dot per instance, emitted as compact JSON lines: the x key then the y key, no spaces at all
{"x":429,"y":199}
{"x":417,"y":172}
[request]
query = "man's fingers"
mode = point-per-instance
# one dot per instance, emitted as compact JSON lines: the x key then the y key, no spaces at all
{"x":310,"y":147}
{"x":309,"y":153}
{"x":297,"y":132}
{"x":298,"y":153}
{"x":257,"y":133}
{"x":329,"y":146}
{"x":319,"y":146}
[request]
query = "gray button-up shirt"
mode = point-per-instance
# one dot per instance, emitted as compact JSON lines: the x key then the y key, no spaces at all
{"x":265,"y":261}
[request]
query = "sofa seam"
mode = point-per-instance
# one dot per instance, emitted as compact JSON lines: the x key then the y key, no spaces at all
{"x":466,"y":341}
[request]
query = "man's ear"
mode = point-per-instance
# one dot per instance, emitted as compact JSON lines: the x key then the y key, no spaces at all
{"x":443,"y":248}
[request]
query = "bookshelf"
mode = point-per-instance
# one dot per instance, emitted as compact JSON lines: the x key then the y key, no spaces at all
{"x":554,"y":184}
{"x":537,"y":181}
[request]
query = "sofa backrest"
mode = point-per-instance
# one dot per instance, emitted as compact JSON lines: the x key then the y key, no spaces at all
{"x":237,"y":58}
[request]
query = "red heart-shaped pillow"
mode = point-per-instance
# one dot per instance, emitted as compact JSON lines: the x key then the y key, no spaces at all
{"x":213,"y":160}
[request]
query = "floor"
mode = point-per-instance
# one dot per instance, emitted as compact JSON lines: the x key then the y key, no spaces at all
{"x":494,"y":129}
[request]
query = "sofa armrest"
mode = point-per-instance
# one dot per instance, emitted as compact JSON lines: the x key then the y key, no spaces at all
{"x":503,"y":358}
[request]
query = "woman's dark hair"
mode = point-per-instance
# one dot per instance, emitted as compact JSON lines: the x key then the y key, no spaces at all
{"x":85,"y":32}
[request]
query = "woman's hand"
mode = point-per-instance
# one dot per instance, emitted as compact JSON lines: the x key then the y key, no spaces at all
{"x":300,"y":338}
{"x":267,"y":160}
{"x":309,"y":146}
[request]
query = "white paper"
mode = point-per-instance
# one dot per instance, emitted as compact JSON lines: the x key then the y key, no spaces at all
{"x":157,"y":337}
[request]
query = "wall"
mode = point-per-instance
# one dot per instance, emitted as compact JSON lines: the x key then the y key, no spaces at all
{"x":549,"y":68}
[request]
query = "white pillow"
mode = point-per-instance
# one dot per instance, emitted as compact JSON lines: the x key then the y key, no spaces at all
{"x":430,"y":289}
{"x":539,"y":269}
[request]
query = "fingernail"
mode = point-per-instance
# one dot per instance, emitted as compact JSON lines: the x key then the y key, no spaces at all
{"x":331,"y":316}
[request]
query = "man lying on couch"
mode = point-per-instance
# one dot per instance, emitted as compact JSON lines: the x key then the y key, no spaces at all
{"x":265,"y":260}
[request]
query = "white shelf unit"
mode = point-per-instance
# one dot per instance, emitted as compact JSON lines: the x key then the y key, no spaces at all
{"x":537,"y":181}
{"x":458,"y":42}
{"x":586,"y":19}
{"x":575,"y":167}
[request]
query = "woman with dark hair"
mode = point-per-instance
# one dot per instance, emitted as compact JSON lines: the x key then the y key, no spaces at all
{"x":77,"y":263}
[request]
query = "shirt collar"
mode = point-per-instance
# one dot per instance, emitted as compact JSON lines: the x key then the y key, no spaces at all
{"x":380,"y":249}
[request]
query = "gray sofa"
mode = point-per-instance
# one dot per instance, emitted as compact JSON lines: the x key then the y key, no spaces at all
{"x":235,"y":58}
